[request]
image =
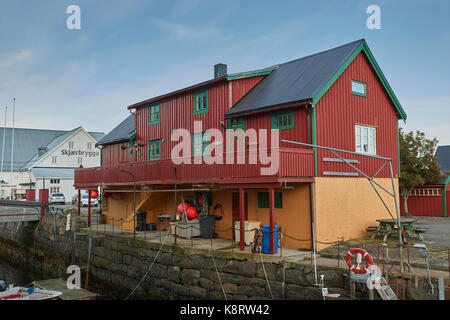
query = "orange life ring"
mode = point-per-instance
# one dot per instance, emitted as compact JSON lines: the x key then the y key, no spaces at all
{"x":365,"y":254}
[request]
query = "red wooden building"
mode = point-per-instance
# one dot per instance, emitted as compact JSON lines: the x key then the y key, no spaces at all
{"x":432,"y":199}
{"x":337,"y":98}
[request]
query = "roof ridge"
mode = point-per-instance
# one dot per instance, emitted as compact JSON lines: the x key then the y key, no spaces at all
{"x":325,"y":51}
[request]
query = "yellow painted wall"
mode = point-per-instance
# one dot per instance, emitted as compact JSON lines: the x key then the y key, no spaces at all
{"x":345,"y":207}
{"x":294,"y":217}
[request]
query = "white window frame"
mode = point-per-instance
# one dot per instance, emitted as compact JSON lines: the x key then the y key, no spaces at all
{"x":365,"y":134}
{"x":54,"y":159}
{"x":89,"y":145}
{"x":80,"y":160}
{"x":70,"y":144}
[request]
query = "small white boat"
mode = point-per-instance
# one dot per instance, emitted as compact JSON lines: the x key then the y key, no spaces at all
{"x":30,"y":293}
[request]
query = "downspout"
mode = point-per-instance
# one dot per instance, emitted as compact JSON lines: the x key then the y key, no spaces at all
{"x":444,"y":195}
{"x":314,"y":137}
{"x":313,"y":233}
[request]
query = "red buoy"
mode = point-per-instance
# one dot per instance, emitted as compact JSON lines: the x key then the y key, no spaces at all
{"x":94,"y":194}
{"x":191,"y":213}
{"x":180,"y":207}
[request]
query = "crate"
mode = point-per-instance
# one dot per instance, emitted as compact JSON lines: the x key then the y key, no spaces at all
{"x":189,"y":229}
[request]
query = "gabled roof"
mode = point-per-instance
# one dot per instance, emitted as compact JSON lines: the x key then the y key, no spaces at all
{"x":443,"y":158}
{"x":27,"y":142}
{"x":306,"y":80}
{"x":123,"y":132}
{"x":49,"y":148}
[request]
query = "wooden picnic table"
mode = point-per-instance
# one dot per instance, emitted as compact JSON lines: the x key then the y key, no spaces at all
{"x":388,"y":227}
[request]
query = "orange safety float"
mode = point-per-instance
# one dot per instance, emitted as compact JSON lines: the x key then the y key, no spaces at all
{"x":94,"y":194}
{"x":191,"y":213}
{"x":366,"y":268}
{"x":181,"y":207}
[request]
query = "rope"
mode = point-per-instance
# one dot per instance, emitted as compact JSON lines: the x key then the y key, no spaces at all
{"x":265,"y":274}
{"x":218,"y":276}
{"x":145,"y":275}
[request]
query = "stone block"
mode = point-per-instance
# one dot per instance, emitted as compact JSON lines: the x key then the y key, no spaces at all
{"x":190,"y":277}
{"x":294,"y":292}
{"x":244,"y":268}
{"x":173,"y":273}
{"x":230,"y":288}
{"x":249,"y":291}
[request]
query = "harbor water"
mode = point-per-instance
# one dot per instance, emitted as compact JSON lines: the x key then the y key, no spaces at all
{"x":20,"y":275}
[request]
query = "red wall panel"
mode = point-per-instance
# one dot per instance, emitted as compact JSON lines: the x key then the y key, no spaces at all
{"x":339,"y":111}
{"x":240,"y":87}
{"x":113,"y":153}
{"x":299,"y":133}
{"x":178,"y":112}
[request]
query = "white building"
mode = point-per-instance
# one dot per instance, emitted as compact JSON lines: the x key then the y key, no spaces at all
{"x":45,"y":159}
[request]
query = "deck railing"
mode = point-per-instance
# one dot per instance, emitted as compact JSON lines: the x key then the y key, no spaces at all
{"x":293,"y":162}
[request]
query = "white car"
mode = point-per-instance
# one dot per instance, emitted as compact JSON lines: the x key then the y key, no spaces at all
{"x":57,"y":198}
{"x":85,"y":201}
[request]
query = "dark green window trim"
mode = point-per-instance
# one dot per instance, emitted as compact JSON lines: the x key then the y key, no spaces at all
{"x":359,"y":93}
{"x":201,"y":103}
{"x":236,"y":126}
{"x":233,"y":125}
{"x":154,"y":114}
{"x":205,"y":140}
{"x":263,"y":200}
{"x":283,"y":119}
{"x":131,"y":148}
{"x":154,"y":150}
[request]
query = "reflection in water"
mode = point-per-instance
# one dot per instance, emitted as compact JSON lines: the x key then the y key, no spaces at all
{"x":20,"y":275}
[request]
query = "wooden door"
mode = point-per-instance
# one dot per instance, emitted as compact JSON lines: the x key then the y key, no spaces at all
{"x":236,"y":207}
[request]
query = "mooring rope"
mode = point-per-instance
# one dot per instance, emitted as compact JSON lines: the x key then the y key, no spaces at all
{"x":265,"y":274}
{"x":218,"y":276}
{"x":151,"y":265}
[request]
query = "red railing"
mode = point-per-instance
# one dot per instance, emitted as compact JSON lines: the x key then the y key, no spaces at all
{"x":293,"y":163}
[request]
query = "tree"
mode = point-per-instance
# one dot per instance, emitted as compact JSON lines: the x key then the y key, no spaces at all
{"x":418,"y":166}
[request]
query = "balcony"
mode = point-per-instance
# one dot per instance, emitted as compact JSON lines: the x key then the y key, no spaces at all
{"x":295,"y":165}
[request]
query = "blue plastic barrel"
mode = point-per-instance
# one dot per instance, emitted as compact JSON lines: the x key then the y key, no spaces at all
{"x":266,"y":239}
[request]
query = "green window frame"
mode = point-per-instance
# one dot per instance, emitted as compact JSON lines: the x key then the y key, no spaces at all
{"x":282,"y":120}
{"x":359,"y":88}
{"x":154,"y":114}
{"x":236,"y":124}
{"x":201,"y":103}
{"x":263,"y":200}
{"x":200,"y":143}
{"x":154,"y":150}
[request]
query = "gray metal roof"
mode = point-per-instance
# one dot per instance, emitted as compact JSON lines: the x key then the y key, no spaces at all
{"x":53,"y":173}
{"x":27,"y":142}
{"x":123,"y":132}
{"x":50,"y":146}
{"x":296,"y":81}
{"x":443,"y":157}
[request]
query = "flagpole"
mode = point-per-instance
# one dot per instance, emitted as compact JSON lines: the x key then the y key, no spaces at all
{"x":12,"y":145}
{"x":3,"y":148}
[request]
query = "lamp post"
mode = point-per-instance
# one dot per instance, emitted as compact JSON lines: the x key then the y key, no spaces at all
{"x":134,"y":201}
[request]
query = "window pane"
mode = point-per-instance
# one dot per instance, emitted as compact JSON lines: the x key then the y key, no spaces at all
{"x":358,"y":139}
{"x":372,"y":140}
{"x":365,"y":140}
{"x":358,"y":87}
{"x":204,"y":101}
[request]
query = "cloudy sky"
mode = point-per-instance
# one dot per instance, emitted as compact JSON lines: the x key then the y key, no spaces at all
{"x":128,"y":51}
